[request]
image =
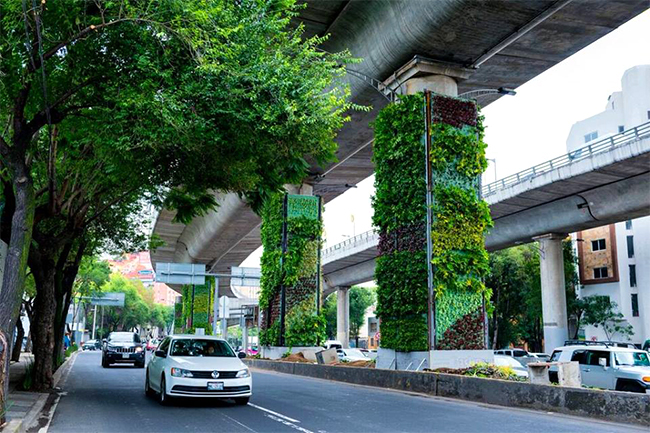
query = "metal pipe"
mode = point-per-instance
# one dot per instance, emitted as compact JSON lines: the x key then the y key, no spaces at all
{"x":520,"y":32}
{"x":420,"y":366}
{"x":431,"y":315}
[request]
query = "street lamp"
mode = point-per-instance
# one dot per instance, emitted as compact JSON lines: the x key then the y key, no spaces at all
{"x":495,"y":167}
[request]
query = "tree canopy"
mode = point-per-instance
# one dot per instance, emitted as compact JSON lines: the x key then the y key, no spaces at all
{"x":361,"y":298}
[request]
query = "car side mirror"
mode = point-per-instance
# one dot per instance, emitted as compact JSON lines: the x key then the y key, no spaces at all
{"x":160,"y":353}
{"x":241,"y":355}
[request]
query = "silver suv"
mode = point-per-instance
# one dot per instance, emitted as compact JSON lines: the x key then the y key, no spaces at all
{"x":607,"y":366}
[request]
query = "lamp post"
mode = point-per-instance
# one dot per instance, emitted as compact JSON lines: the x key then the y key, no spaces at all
{"x":495,"y":167}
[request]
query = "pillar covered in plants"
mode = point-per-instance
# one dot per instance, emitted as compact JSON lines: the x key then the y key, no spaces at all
{"x":291,"y":237}
{"x":459,"y":222}
{"x":197,"y":305}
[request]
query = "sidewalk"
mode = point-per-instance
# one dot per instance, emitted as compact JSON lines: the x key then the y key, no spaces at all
{"x":23,"y":407}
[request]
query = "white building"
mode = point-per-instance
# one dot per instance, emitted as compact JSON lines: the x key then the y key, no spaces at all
{"x":614,"y":260}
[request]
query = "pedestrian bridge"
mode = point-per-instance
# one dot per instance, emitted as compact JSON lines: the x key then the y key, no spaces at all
{"x":602,"y":183}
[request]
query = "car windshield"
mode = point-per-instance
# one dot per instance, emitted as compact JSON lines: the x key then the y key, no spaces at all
{"x":632,"y":358}
{"x":556,"y":355}
{"x":122,"y":337}
{"x":195,"y":347}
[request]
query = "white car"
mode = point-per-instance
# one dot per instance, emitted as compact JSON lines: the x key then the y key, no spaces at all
{"x":197,"y":366}
{"x":350,"y":355}
{"x":509,"y":361}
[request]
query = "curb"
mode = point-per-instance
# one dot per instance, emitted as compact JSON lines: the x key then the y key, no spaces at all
{"x":34,"y":414}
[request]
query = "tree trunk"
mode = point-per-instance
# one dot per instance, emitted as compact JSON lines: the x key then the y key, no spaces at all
{"x":43,"y":330}
{"x":15,"y":265}
{"x":18,"y":345}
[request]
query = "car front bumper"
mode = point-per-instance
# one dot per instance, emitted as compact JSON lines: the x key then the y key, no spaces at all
{"x":190,"y":387}
{"x":134,"y":357}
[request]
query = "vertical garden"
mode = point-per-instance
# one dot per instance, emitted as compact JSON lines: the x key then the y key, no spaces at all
{"x":460,"y":220}
{"x":291,"y":236}
{"x":196,"y":307}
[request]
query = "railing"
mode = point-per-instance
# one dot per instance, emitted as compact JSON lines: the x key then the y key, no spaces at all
{"x":365,"y":236}
{"x":601,"y":146}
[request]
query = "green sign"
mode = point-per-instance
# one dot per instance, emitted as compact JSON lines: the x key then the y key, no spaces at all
{"x":302,"y":206}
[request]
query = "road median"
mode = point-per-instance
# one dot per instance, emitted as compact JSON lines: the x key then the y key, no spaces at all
{"x":605,"y":405}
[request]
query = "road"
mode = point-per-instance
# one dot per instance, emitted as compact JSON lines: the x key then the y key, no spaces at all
{"x":113,"y":400}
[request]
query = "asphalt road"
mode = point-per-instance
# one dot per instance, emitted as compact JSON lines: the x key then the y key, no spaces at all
{"x":113,"y":400}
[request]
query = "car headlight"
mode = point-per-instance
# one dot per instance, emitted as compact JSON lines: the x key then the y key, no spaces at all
{"x":181,"y":372}
{"x":138,"y":349}
{"x":243,"y":373}
{"x":646,"y":379}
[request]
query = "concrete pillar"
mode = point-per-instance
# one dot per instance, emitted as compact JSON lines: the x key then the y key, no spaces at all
{"x":343,"y":315}
{"x":556,"y":328}
{"x":442,"y":84}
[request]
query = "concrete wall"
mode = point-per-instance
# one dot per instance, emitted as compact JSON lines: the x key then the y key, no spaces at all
{"x":605,"y":405}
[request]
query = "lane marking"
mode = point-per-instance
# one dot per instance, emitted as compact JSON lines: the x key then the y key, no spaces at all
{"x":273,"y":413}
{"x":239,"y":423}
{"x":287,"y":423}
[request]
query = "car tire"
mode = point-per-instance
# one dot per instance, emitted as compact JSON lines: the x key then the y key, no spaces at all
{"x":163,"y":398}
{"x":149,"y":392}
{"x":139,"y":364}
{"x":631,"y":387}
{"x":241,"y":401}
{"x":105,"y":363}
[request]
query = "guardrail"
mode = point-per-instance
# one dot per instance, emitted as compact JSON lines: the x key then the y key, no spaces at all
{"x":601,"y":146}
{"x":365,"y":236}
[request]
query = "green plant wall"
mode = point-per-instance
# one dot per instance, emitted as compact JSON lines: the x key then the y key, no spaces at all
{"x":460,"y":220}
{"x":298,"y":272}
{"x":203,"y":306}
{"x":178,"y":318}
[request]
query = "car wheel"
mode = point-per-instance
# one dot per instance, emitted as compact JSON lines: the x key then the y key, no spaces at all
{"x":163,"y":398}
{"x":139,"y":364}
{"x":631,"y":387}
{"x":105,"y":363}
{"x":147,"y":389}
{"x":241,"y":401}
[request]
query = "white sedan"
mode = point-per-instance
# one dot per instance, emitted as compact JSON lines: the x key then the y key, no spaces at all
{"x":197,"y":366}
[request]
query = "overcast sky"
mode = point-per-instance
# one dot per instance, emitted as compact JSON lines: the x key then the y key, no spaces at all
{"x":526,"y":129}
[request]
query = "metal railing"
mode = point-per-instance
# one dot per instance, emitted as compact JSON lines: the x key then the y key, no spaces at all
{"x":601,"y":146}
{"x":365,"y":236}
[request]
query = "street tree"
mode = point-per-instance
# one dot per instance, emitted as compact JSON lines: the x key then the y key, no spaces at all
{"x":108,"y":104}
{"x":601,"y":312}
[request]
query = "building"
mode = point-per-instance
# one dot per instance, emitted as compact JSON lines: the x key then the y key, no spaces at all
{"x":138,"y":266}
{"x":614,"y":260}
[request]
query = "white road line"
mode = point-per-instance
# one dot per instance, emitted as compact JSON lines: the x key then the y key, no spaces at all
{"x":273,"y":413}
{"x":237,"y":422}
{"x":287,"y":423}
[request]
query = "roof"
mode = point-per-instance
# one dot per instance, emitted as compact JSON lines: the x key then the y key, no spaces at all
{"x":600,"y":347}
{"x":195,"y":336}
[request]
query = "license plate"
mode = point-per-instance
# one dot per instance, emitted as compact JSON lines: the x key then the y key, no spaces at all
{"x":215,"y":386}
{"x":125,"y":355}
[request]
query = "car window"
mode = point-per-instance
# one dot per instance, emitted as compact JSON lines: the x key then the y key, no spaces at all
{"x":164,"y":345}
{"x":593,"y":356}
{"x":519,"y":353}
{"x":196,"y":347}
{"x":632,"y":358}
{"x":579,"y":355}
{"x":555,"y":356}
{"x":123,"y":337}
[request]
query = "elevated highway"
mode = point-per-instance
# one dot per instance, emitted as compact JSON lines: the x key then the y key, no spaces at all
{"x":602,"y":183}
{"x":488,"y":44}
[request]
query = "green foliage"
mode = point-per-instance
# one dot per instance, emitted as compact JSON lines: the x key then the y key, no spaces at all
{"x":138,"y":309}
{"x":483,"y":369}
{"x":28,"y":379}
{"x":203,"y":306}
{"x":93,"y":273}
{"x":70,"y":350}
{"x":600,"y":312}
{"x":297,"y":270}
{"x":460,"y":221}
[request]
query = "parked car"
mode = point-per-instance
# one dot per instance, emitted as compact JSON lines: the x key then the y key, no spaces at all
{"x":509,"y":361}
{"x":123,"y":347}
{"x":607,"y":366}
{"x":91,"y":345}
{"x":197,"y":366}
{"x":329,"y":344}
{"x":372,"y":354}
{"x":349,"y":355}
{"x":543,"y":357}
{"x":520,"y":355}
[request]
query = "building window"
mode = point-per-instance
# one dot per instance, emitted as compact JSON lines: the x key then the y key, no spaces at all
{"x":598,"y":245}
{"x":628,"y":225}
{"x":591,"y":136}
{"x":635,"y":305}
{"x":632,"y":275}
{"x":600,"y":272}
{"x":630,"y":247}
{"x":621,"y":128}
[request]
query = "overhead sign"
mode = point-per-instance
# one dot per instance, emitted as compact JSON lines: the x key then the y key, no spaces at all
{"x":108,"y":299}
{"x":302,"y":206}
{"x":180,"y":273}
{"x":245,"y":277}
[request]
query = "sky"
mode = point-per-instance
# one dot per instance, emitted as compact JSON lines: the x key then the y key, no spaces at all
{"x":528,"y":128}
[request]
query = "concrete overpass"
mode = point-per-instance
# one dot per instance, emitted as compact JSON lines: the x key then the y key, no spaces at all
{"x":602,"y":183}
{"x":485,"y":45}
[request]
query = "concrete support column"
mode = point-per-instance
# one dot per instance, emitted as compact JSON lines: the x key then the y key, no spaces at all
{"x":343,"y":315}
{"x":556,"y":328}
{"x":442,"y":84}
